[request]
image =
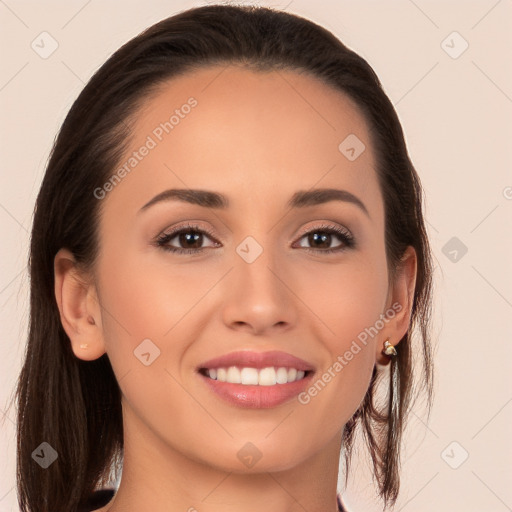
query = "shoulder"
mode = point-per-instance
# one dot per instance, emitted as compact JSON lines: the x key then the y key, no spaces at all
{"x":97,"y":500}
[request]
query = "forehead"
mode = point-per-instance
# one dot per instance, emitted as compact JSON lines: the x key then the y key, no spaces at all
{"x":252,"y":133}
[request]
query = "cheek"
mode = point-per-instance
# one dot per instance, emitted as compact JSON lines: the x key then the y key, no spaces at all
{"x":145,"y":299}
{"x":156,"y":302}
{"x":347,"y":298}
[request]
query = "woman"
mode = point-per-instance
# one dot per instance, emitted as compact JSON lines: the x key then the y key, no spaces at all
{"x":228,"y":258}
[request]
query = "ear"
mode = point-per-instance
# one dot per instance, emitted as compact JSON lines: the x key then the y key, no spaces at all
{"x":79,"y":308}
{"x":399,"y":305}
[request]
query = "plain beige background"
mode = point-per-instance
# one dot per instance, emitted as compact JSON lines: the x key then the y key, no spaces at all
{"x":455,"y":105}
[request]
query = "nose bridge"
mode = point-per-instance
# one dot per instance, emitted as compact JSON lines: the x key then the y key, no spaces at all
{"x":255,"y":268}
{"x":257,"y":294}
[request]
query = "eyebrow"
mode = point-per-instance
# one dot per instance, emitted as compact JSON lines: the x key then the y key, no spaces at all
{"x":301,"y":199}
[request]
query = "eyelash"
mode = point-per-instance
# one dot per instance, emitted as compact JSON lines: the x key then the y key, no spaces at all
{"x":347,"y":239}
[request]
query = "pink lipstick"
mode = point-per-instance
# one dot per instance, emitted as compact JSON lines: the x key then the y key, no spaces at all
{"x":257,"y":380}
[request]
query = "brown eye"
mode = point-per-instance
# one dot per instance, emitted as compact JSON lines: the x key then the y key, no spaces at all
{"x":321,"y":238}
{"x":190,"y":240}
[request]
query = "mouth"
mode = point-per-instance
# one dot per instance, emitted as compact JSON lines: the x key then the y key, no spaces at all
{"x":256,"y":380}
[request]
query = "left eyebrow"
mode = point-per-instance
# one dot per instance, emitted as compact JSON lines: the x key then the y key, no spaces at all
{"x":301,"y":199}
{"x":304,"y":198}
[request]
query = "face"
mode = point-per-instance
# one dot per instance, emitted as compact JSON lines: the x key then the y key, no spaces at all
{"x":181,"y":283}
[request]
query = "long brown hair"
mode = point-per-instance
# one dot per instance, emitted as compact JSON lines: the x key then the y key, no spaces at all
{"x":75,"y":405}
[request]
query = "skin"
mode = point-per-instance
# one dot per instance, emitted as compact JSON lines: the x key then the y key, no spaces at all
{"x":257,"y":138}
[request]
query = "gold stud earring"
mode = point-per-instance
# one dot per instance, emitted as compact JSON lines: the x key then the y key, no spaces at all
{"x":84,"y":345}
{"x":389,"y":349}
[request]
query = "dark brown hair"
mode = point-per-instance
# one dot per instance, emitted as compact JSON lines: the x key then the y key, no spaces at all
{"x":75,"y":405}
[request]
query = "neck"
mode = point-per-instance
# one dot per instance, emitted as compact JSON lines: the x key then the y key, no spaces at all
{"x":160,"y":478}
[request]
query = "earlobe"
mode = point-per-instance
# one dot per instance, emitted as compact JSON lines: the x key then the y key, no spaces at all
{"x":79,"y":309}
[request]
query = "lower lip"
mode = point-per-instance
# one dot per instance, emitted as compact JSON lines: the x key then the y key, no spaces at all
{"x":257,"y":397}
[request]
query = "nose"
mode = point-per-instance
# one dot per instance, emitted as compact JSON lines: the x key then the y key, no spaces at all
{"x":259,"y":297}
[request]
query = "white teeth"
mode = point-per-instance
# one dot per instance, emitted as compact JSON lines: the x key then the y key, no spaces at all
{"x":233,"y":375}
{"x":252,"y":376}
{"x":249,"y":376}
{"x":282,"y":376}
{"x":267,"y":377}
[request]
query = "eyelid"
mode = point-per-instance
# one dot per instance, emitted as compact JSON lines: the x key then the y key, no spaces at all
{"x":186,"y":226}
{"x":323,"y":224}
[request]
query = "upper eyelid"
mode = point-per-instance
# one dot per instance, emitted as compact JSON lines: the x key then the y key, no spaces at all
{"x":324,"y":225}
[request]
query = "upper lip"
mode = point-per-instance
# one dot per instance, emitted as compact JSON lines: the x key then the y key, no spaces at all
{"x":251,"y":359}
